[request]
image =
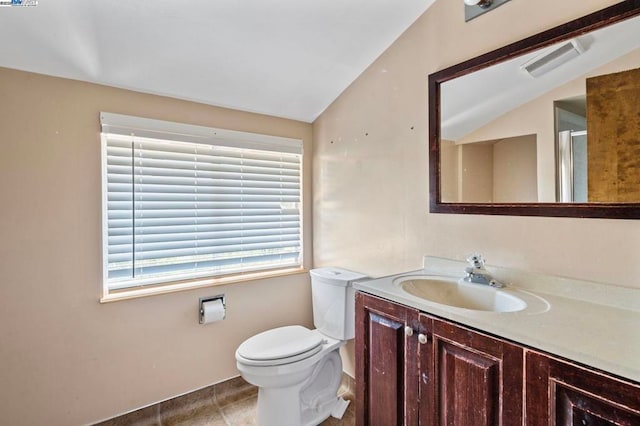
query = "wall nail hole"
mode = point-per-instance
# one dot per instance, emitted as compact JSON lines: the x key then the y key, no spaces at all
{"x":411,"y":127}
{"x":366,"y":134}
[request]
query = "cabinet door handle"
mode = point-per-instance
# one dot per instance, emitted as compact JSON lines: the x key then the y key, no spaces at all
{"x":408,"y":331}
{"x":422,"y":338}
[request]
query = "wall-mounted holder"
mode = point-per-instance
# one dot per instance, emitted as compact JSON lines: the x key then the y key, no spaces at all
{"x":212,"y":309}
{"x":475,"y":8}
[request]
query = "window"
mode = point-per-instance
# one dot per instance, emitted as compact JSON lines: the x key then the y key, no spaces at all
{"x":183,"y":202}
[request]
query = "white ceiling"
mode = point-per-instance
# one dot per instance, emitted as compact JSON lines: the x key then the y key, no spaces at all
{"x":476,"y":99}
{"x":286,"y":58}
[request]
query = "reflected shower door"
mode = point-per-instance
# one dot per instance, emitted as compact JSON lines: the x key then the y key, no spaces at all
{"x":572,"y":166}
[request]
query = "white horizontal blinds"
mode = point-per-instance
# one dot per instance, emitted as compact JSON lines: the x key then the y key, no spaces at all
{"x":119,"y":188}
{"x":178,"y":210}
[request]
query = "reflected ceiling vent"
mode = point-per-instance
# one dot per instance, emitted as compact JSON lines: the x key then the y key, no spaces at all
{"x":553,"y":58}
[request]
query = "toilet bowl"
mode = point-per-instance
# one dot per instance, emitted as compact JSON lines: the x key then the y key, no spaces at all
{"x":294,"y":388}
{"x":297,"y":370}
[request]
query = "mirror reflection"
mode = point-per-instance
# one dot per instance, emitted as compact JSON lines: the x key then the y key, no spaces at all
{"x":561,"y":124}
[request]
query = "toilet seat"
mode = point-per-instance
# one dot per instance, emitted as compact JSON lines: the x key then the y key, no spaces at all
{"x":281,"y":345}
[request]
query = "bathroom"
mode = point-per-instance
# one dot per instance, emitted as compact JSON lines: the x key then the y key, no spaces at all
{"x":68,"y":359}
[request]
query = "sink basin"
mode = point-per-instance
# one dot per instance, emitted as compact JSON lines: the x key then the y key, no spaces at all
{"x":460,"y":294}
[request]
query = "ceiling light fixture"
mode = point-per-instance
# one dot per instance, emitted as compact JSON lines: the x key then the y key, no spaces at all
{"x":475,"y":8}
{"x":480,"y":3}
{"x":553,"y":58}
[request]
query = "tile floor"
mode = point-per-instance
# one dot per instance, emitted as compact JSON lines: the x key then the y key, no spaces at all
{"x":232,"y":403}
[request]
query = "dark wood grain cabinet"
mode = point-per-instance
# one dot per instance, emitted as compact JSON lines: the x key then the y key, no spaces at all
{"x":386,"y":363}
{"x":562,"y":393}
{"x":468,"y":378}
{"x":416,"y":369}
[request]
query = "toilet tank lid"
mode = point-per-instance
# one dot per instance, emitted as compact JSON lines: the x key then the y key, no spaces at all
{"x":340,"y":276}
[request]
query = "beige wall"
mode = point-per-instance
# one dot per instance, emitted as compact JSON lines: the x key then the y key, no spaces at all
{"x":64,"y":358}
{"x":502,"y":171}
{"x":476,"y":172}
{"x":371,"y":192}
{"x":449,"y":179}
{"x":514,"y":170}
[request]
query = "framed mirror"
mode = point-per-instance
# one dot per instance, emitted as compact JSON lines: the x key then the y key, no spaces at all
{"x":546,"y":126}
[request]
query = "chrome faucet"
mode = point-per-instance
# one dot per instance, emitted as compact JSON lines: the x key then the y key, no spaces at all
{"x":477,"y":274}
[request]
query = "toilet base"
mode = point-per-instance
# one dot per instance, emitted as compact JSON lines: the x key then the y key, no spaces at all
{"x":308,"y":402}
{"x":274,"y":409}
{"x":339,"y":408}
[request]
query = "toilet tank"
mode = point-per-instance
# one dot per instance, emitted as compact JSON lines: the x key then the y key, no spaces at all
{"x":333,"y":298}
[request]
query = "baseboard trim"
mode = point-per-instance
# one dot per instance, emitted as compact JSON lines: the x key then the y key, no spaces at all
{"x":220,"y":394}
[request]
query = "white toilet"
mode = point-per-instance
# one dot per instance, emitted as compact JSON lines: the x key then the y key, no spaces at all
{"x":298,"y":371}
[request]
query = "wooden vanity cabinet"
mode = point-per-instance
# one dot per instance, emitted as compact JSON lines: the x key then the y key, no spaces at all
{"x":468,"y":378}
{"x":386,"y":363}
{"x":414,"y":369}
{"x":562,"y":393}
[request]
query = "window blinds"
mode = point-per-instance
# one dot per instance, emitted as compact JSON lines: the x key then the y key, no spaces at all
{"x":178,"y":210}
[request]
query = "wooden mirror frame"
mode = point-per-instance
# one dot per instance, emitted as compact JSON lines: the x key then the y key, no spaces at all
{"x":577,"y":27}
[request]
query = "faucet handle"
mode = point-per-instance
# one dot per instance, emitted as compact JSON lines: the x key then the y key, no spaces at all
{"x":476,"y":260}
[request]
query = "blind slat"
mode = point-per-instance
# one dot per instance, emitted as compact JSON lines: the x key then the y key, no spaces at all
{"x":232,"y":214}
{"x":204,"y":268}
{"x":121,"y":185}
{"x":199,"y":246}
{"x":252,"y":221}
{"x":165,"y":256}
{"x":195,"y":234}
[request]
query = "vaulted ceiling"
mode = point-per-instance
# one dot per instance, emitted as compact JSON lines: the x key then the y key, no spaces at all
{"x":286,"y":58}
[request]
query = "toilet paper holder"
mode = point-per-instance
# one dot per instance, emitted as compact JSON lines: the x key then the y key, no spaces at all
{"x":203,"y":300}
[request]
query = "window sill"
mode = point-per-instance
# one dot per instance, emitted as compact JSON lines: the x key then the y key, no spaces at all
{"x":153,"y":290}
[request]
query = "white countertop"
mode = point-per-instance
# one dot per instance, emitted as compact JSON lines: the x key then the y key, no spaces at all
{"x":594,"y":324}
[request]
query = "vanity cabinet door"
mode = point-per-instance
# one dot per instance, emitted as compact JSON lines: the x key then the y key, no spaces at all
{"x":386,"y":363}
{"x":561,"y":393}
{"x":471,"y":378}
